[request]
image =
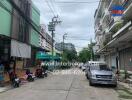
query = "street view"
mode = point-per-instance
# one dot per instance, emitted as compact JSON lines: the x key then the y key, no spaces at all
{"x":65,"y":49}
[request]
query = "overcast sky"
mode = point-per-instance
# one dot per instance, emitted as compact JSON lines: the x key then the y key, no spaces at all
{"x":77,"y":19}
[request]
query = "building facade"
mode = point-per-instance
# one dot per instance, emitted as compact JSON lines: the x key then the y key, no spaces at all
{"x":5,"y":29}
{"x":113,"y":34}
{"x":45,"y":42}
{"x":34,"y":36}
{"x":19,"y":32}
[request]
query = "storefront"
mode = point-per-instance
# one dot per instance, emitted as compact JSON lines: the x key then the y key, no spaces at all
{"x":125,"y":57}
{"x":4,"y":48}
{"x":20,"y":52}
{"x":4,"y":56}
{"x":113,"y":60}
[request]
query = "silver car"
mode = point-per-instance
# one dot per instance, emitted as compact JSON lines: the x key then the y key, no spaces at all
{"x":101,"y":74}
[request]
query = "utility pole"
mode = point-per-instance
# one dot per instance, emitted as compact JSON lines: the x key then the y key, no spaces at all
{"x":51,"y":27}
{"x":91,"y":49}
{"x":52,"y":34}
{"x":63,"y":47}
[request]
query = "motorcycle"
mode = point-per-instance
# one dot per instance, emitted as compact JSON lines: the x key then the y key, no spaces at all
{"x":39,"y":73}
{"x":15,"y":80}
{"x":45,"y":71}
{"x":29,"y":76}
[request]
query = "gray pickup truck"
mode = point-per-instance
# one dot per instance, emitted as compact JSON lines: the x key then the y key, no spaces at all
{"x":100,"y":73}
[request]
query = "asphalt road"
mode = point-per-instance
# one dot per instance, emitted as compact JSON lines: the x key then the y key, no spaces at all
{"x":60,"y":87}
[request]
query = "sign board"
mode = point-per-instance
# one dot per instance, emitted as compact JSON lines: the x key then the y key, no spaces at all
{"x":51,"y":27}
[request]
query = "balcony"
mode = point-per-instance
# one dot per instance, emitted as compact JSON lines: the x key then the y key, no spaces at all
{"x":115,"y":24}
{"x":128,"y":9}
{"x":105,"y":15}
{"x":122,"y":36}
{"x":112,"y":2}
{"x":98,"y":32}
{"x":98,"y":28}
{"x":121,"y":30}
{"x":110,"y":5}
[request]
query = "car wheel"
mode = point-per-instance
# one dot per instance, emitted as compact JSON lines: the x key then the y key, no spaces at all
{"x":83,"y":70}
{"x":90,"y":83}
{"x":87,"y":76}
{"x":18,"y":85}
{"x":46,"y":75}
{"x":114,"y":85}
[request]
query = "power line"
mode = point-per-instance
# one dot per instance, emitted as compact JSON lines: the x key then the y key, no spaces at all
{"x":78,"y":39}
{"x":78,"y":2}
{"x":50,"y":7}
{"x":74,"y":38}
{"x":57,"y":7}
{"x":53,"y":5}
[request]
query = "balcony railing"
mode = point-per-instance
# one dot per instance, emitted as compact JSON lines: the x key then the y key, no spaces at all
{"x":126,"y":4}
{"x":111,"y":23}
{"x":109,"y":1}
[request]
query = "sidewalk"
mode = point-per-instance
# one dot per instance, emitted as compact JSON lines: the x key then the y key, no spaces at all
{"x":124,"y":90}
{"x":126,"y":85}
{"x":4,"y":89}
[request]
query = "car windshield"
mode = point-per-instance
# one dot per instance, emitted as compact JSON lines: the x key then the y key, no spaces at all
{"x":100,"y":67}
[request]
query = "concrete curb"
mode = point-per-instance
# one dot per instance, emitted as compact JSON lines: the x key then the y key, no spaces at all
{"x":4,"y":89}
{"x":126,"y":85}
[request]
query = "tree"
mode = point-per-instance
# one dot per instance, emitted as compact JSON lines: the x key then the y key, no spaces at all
{"x":90,"y":47}
{"x":69,"y":55}
{"x":84,"y":55}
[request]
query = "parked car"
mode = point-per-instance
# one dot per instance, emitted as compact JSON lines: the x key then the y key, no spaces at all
{"x":83,"y":67}
{"x":91,"y":63}
{"x":100,"y":73}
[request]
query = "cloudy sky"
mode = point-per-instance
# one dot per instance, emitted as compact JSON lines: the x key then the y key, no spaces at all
{"x":77,"y":19}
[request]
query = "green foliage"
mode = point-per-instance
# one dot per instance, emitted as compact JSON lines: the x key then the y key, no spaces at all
{"x":69,"y":55}
{"x":84,"y":55}
{"x":126,"y":74}
{"x":105,"y":43}
{"x":87,"y":54}
{"x":118,"y":26}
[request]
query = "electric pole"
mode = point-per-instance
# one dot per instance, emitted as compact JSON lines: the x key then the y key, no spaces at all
{"x":51,"y":27}
{"x":63,"y":47}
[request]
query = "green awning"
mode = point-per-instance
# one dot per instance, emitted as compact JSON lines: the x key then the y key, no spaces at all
{"x":44,"y":56}
{"x":56,"y":58}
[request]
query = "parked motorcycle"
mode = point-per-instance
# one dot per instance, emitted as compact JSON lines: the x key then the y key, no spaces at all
{"x":39,"y":73}
{"x":46,"y":74}
{"x":15,"y":81}
{"x":45,"y":71}
{"x":29,"y":76}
